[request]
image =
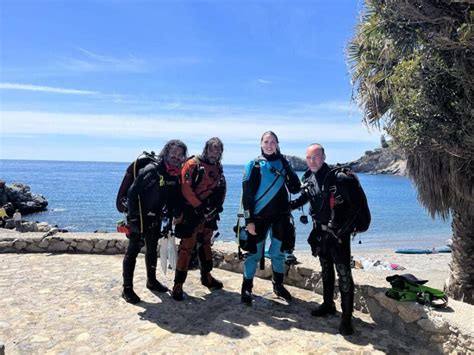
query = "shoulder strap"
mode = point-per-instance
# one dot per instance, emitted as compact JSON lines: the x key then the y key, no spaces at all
{"x":198,"y":173}
{"x":278,"y":175}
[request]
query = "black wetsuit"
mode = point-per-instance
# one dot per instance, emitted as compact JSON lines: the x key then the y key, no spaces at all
{"x":332,"y":248}
{"x":154,"y":195}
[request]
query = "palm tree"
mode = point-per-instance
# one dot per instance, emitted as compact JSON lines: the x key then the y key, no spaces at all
{"x":412,"y":68}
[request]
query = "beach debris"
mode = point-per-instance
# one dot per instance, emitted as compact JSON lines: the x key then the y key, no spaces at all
{"x":376,"y":265}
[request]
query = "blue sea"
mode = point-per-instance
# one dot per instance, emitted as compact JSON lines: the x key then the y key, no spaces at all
{"x":81,"y":197}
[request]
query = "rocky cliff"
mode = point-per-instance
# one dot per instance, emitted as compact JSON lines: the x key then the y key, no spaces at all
{"x":390,"y":161}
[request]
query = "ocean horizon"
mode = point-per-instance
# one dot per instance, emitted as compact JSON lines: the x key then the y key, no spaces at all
{"x":81,"y":197}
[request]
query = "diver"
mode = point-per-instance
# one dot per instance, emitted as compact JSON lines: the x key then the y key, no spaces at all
{"x":154,"y":194}
{"x":203,"y":187}
{"x":332,"y":196}
{"x":265,"y":201}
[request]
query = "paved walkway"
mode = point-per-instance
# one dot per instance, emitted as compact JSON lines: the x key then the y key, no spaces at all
{"x":63,"y":303}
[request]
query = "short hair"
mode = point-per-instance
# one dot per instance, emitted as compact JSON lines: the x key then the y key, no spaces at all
{"x":320,"y":145}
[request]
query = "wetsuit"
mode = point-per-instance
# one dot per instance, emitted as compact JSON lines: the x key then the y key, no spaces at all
{"x":203,"y":187}
{"x":155,"y":194}
{"x":266,"y":182}
{"x":330,"y":237}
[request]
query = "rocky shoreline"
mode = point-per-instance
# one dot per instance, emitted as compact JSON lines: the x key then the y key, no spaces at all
{"x":385,"y":161}
{"x":18,"y":196}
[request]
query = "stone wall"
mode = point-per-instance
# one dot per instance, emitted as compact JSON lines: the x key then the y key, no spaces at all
{"x":63,"y":243}
{"x":407,"y":318}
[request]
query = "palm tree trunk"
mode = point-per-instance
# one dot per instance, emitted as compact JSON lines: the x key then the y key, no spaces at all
{"x":460,"y":284}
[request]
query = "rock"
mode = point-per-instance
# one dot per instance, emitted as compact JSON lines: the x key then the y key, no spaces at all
{"x":20,"y":196}
{"x":58,"y":246}
{"x":84,"y":246}
{"x":44,"y":243}
{"x":434,"y":325}
{"x":33,"y":248}
{"x":9,"y":224}
{"x":389,"y":160}
{"x":6,"y":244}
{"x":410,"y":312}
{"x":386,"y":302}
{"x":43,"y":227}
{"x":29,"y":226}
{"x":51,"y":232}
{"x":19,"y":244}
{"x":100,"y":245}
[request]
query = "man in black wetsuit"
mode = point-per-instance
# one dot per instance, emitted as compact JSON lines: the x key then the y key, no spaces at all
{"x":331,"y":196}
{"x":155,"y":194}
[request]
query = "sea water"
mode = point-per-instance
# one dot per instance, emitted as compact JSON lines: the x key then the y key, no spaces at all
{"x":81,"y":198}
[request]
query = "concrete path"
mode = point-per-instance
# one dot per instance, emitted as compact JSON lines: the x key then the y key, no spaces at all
{"x":71,"y":304}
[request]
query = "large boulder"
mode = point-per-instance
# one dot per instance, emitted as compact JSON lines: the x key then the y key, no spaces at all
{"x":20,"y":197}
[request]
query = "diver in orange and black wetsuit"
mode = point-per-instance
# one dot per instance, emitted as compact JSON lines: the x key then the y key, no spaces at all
{"x":204,"y":187}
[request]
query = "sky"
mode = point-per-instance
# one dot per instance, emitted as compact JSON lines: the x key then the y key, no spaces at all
{"x":104,"y":80}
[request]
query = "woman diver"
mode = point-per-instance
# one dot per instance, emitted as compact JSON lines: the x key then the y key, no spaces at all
{"x":267,"y":180}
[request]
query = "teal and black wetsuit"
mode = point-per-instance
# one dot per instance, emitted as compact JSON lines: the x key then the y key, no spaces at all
{"x":266,"y":182}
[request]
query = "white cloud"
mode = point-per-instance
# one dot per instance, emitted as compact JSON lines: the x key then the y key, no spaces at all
{"x":93,"y":62}
{"x":263,"y":81}
{"x":30,"y":87}
{"x":244,"y":129}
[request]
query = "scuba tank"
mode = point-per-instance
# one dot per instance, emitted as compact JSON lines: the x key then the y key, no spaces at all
{"x":130,"y":175}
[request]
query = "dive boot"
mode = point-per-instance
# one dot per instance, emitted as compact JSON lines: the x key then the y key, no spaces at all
{"x":246,"y":293}
{"x":345,"y":328}
{"x":130,"y":296}
{"x":278,"y":287}
{"x":281,"y":291}
{"x":210,"y":282}
{"x":155,"y":285}
{"x":324,"y":309}
{"x":178,"y":294}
